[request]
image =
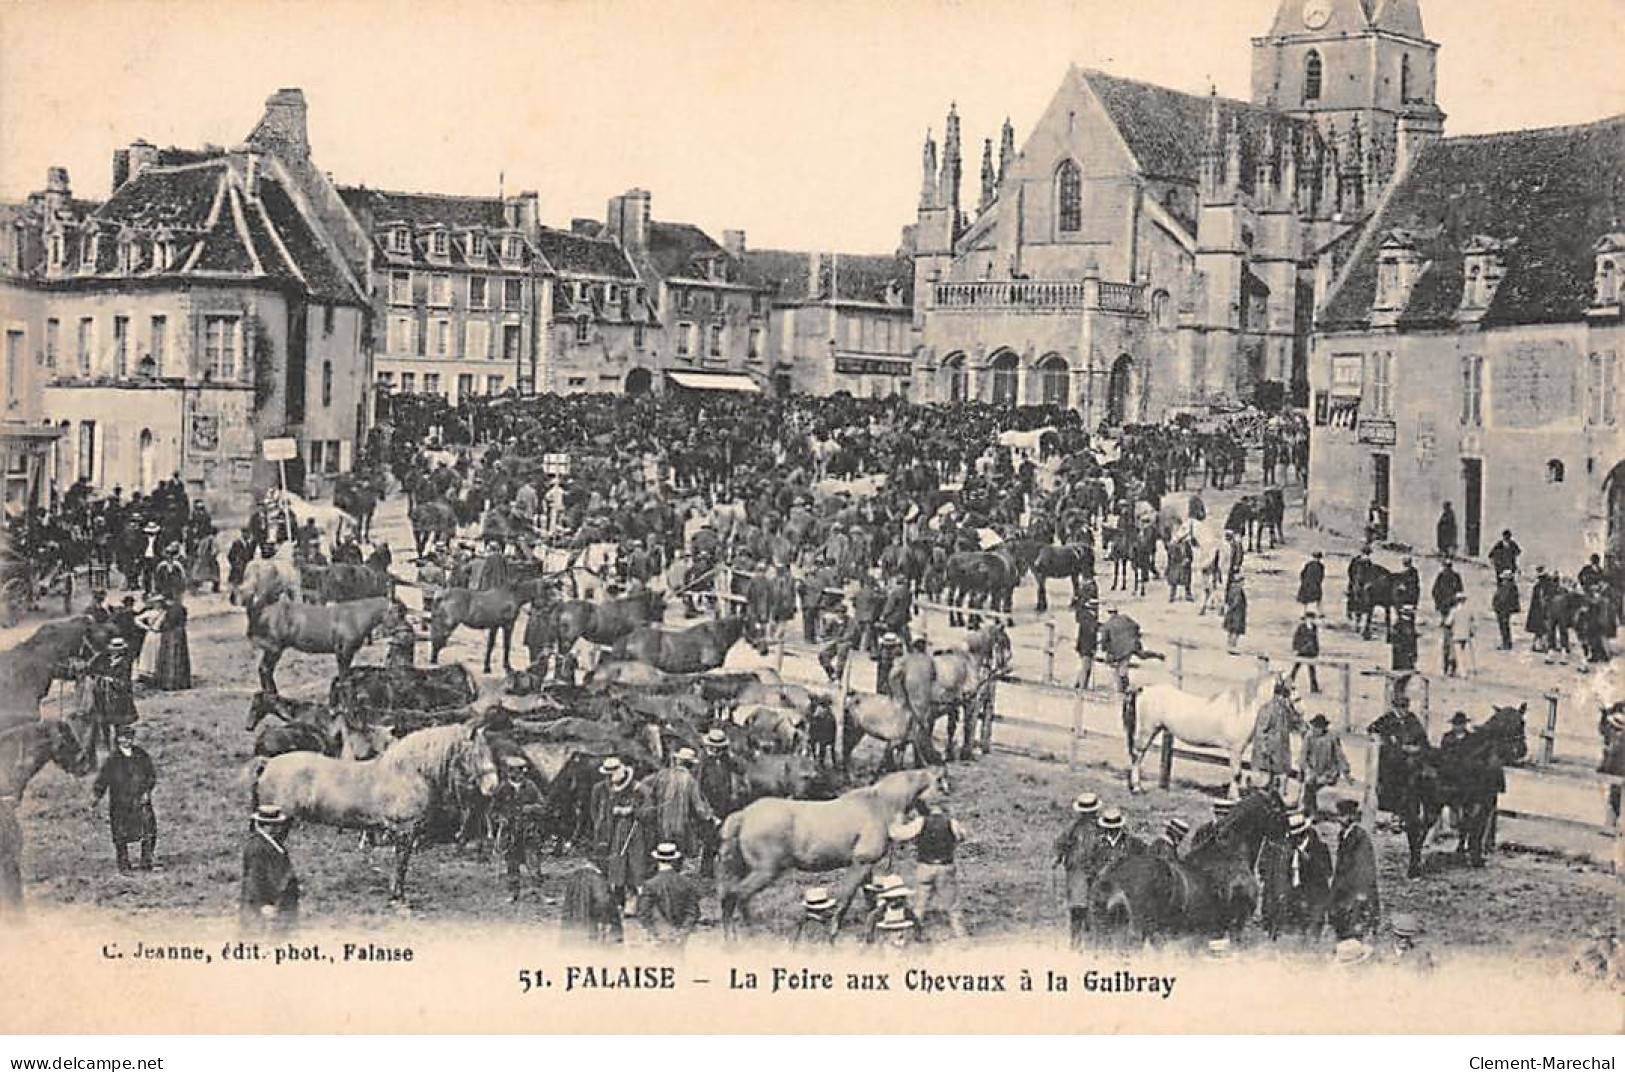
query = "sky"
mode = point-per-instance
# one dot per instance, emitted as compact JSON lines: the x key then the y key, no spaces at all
{"x":797,"y":122}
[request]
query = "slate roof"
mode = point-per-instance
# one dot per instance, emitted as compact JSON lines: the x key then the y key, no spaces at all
{"x":1548,"y":194}
{"x":860,"y":277}
{"x":676,"y":250}
{"x":177,"y":197}
{"x":578,"y":254}
{"x":1167,"y":130}
{"x":378,"y":207}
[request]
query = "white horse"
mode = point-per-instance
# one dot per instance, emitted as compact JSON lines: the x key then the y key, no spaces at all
{"x":330,"y":520}
{"x":1224,"y":721}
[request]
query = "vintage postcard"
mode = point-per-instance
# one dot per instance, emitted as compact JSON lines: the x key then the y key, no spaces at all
{"x":952,"y":517}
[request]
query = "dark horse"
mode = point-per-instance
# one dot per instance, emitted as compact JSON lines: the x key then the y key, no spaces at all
{"x":1050,"y":561}
{"x":1466,"y":776}
{"x":339,"y":629}
{"x":29,"y":668}
{"x":357,"y":494}
{"x":23,"y":751}
{"x":1211,"y":892}
{"x":435,"y":520}
{"x":978,"y":579}
{"x":685,"y":651}
{"x":492,"y":609}
{"x":1376,"y":590}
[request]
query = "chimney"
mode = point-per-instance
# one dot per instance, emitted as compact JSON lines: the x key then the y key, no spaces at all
{"x":57,"y":191}
{"x":141,"y":155}
{"x":734,"y":243}
{"x":628,"y":219}
{"x":282,"y":128}
{"x":121,"y":167}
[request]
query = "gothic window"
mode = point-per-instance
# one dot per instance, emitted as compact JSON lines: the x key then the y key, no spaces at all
{"x":1554,"y":471}
{"x":1053,"y":379}
{"x":1160,"y":312}
{"x":1404,"y":79}
{"x":1069,"y":197}
{"x":1312,"y":72}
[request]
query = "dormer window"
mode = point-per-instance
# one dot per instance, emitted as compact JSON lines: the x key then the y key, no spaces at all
{"x":476,"y":245}
{"x":1610,"y":272}
{"x":128,"y":256}
{"x":612,"y":294}
{"x":1398,"y":266}
{"x":57,"y":250}
{"x":1483,"y":265}
{"x":89,"y":249}
{"x":437,"y":243}
{"x":400,"y":240}
{"x":510,"y":248}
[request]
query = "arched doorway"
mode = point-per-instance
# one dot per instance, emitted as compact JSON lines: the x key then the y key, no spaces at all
{"x":1003,"y":367}
{"x":149,"y":462}
{"x":638,"y":381}
{"x":953,"y":375}
{"x":1054,"y":380}
{"x":1120,"y":391}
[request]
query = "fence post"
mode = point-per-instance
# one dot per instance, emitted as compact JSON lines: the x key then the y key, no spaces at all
{"x":841,"y":689}
{"x":1348,"y":697}
{"x":1077,"y":728}
{"x":1179,"y":663}
{"x":1548,"y":736}
{"x":1049,"y":653}
{"x":1165,"y":772}
{"x":1368,"y":802}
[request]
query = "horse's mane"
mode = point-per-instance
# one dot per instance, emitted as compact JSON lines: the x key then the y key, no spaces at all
{"x":1220,"y":833}
{"x":430,"y":752}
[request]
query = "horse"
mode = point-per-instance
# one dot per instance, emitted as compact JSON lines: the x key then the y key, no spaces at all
{"x":23,"y":751}
{"x":1376,"y":590}
{"x":1467,"y":776}
{"x":301,"y":726}
{"x":339,"y":629}
{"x":765,"y":839}
{"x":400,"y":792}
{"x":344,"y":581}
{"x":977,"y":579}
{"x":491,"y":609}
{"x":426,"y":688}
{"x":266,"y":580}
{"x":29,"y":668}
{"x":888,"y":720}
{"x":686,"y":651}
{"x":963,"y":685}
{"x":432,"y":521}
{"x":357,"y":494}
{"x":1072,"y":561}
{"x":564,"y":622}
{"x":1225,"y":720}
{"x":330,"y":520}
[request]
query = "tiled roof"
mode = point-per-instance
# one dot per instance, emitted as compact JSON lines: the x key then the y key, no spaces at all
{"x":1167,"y":130}
{"x":572,"y":253}
{"x":1548,"y":195}
{"x":859,"y":277}
{"x":376,"y":207}
{"x":676,"y":250}
{"x":178,"y":197}
{"x":324,"y":277}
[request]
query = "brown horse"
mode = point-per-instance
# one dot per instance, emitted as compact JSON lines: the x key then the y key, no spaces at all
{"x":432,"y":521}
{"x":299,"y":726}
{"x":491,"y":609}
{"x":401,"y":792}
{"x":763,"y":840}
{"x":29,"y":668}
{"x":686,"y":651}
{"x":560,"y":624}
{"x":338,"y":629}
{"x":964,"y":684}
{"x":23,"y":751}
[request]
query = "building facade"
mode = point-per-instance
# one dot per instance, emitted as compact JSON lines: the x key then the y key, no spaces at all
{"x":603,"y":332}
{"x":1469,"y":351}
{"x":1147,"y":251}
{"x":212,"y":302}
{"x":459,"y":291}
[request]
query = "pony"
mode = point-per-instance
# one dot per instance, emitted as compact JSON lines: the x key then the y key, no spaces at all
{"x":686,"y":651}
{"x":493,"y":610}
{"x":23,"y":751}
{"x":401,"y":793}
{"x":765,"y":839}
{"x":339,"y":629}
{"x":1224,"y":721}
{"x":1467,"y":776}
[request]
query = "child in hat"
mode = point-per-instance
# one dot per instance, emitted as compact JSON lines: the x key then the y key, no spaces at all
{"x":270,"y":890}
{"x":817,"y":923}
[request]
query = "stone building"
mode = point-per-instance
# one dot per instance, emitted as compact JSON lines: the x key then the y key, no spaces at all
{"x":1469,"y":350}
{"x":213,"y":301}
{"x":839,"y":322}
{"x":604,"y":331}
{"x":1147,"y":251}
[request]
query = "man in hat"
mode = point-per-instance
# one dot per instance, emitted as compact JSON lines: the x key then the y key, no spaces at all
{"x":897,"y":928}
{"x":1407,"y":587}
{"x":97,"y":611}
{"x":1402,"y":640}
{"x":1406,"y":948}
{"x":1541,"y":594}
{"x":1272,"y":737}
{"x":1403,"y":734}
{"x":618,"y":835}
{"x":936,"y":878}
{"x":169,"y":576}
{"x":676,"y":807}
{"x":890,"y":650}
{"x":1355,"y":600}
{"x":816,"y":925}
{"x":403,"y":643}
{"x":1504,"y":555}
{"x":1446,"y":530}
{"x":1355,"y":904}
{"x":1166,"y":844}
{"x":1505,"y":603}
{"x":1306,"y":648}
{"x":898,"y":609}
{"x":891,"y":901}
{"x":1311,"y":582}
{"x":1446,"y":587}
{"x":866,"y":606}
{"x":1460,"y":729}
{"x":1086,"y":611}
{"x":112,"y":690}
{"x":1221,"y":811}
{"x":1307,"y":885}
{"x":669,"y":904}
{"x":719,"y":776}
{"x":269,"y":900}
{"x":517,"y":808}
{"x":1075,"y":853}
{"x":845,"y":635}
{"x":151,"y":553}
{"x":1115,"y":840}
{"x":127,"y":778}
{"x":1324,"y":764}
{"x":490,"y":571}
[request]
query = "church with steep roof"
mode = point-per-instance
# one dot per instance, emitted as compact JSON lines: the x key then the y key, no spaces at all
{"x":1146,"y":252}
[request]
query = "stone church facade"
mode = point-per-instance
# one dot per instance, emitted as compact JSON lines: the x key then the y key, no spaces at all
{"x":1147,"y":251}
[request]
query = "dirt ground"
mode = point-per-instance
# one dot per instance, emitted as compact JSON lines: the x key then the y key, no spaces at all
{"x":1013,"y":807}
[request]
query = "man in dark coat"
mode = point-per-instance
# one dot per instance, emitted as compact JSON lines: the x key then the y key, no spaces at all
{"x":1308,"y":877}
{"x":1306,"y":646}
{"x":669,"y":905}
{"x":676,"y":812}
{"x":719,"y":776}
{"x":897,"y":610}
{"x":866,"y":604}
{"x":1311,"y":581}
{"x":112,"y":690}
{"x":1075,"y":853}
{"x":1446,"y":587}
{"x":1355,"y":902}
{"x":1446,"y":530}
{"x":270,"y":890}
{"x":1323,"y":764}
{"x":1505,"y":603}
{"x":1504,"y":555}
{"x":517,"y":807}
{"x":1086,"y":610}
{"x":1402,"y":641}
{"x":127,"y":779}
{"x":618,"y":835}
{"x":1272,"y":737}
{"x":1407,"y":584}
{"x":1355,"y":604}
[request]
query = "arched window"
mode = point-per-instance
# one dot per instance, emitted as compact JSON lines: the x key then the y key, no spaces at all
{"x":1004,"y":369}
{"x":953,"y":370}
{"x":1069,"y":197}
{"x":1404,"y":79}
{"x":1554,"y":471}
{"x":1053,"y":377}
{"x":1161,"y":314}
{"x":1312,"y":73}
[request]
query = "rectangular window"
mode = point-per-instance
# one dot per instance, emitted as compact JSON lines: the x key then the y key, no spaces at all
{"x":755,"y":305}
{"x":465,"y":386}
{"x":442,"y":338}
{"x":583,"y":329}
{"x":512,"y":336}
{"x":53,"y":331}
{"x":510,"y":248}
{"x":476,"y":292}
{"x":612,"y":294}
{"x":493,"y":385}
{"x":685,"y":334}
{"x":87,"y":450}
{"x":431,"y":383}
{"x":754,"y":344}
{"x":637,"y":336}
{"x":685,"y":300}
{"x":476,"y":340}
{"x":438,"y":243}
{"x":327,"y":319}
{"x":327,"y":383}
{"x":476,"y":245}
{"x":335,"y":455}
{"x":1381,"y":384}
{"x":87,"y":344}
{"x":1472,"y":392}
{"x":409,"y":382}
{"x":14,"y":365}
{"x":316,"y":453}
{"x":1600,"y":387}
{"x":121,"y":346}
{"x":716,"y":340}
{"x":440,"y":288}
{"x":400,"y":288}
{"x":400,"y":240}
{"x":513,"y":294}
{"x":160,"y":343}
{"x":402,"y":332}
{"x":220,"y":347}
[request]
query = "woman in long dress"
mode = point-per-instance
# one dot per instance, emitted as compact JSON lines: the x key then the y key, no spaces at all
{"x":172,"y":666}
{"x":150,"y":619}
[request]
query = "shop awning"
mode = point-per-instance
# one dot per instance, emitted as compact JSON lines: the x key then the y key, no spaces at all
{"x":716,"y":381}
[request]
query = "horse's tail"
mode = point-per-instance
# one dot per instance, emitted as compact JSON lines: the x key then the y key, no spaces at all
{"x":256,"y":767}
{"x":730,"y":859}
{"x":1115,"y":911}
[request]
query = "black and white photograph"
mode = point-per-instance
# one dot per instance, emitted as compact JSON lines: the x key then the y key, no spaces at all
{"x":1054,"y":516}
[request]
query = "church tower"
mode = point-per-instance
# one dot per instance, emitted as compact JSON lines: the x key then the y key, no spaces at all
{"x":1341,"y":61}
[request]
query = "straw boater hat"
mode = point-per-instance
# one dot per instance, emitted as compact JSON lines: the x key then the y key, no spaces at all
{"x":891,"y":638}
{"x":895,"y":919}
{"x":1222,"y":806}
{"x":1616,"y":719}
{"x":666,"y":853}
{"x":118,"y":643}
{"x":715,"y":738}
{"x":1351,"y":951}
{"x":267,"y":814}
{"x":1297,"y":824}
{"x":152,"y":528}
{"x":686,"y":754}
{"x":1219,"y":948}
{"x":1406,"y":925}
{"x":892,"y":887}
{"x":610,"y":765}
{"x":1111,"y":819}
{"x":515,"y":763}
{"x":817,"y":899}
{"x":1176,"y":828}
{"x":1086,"y":803}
